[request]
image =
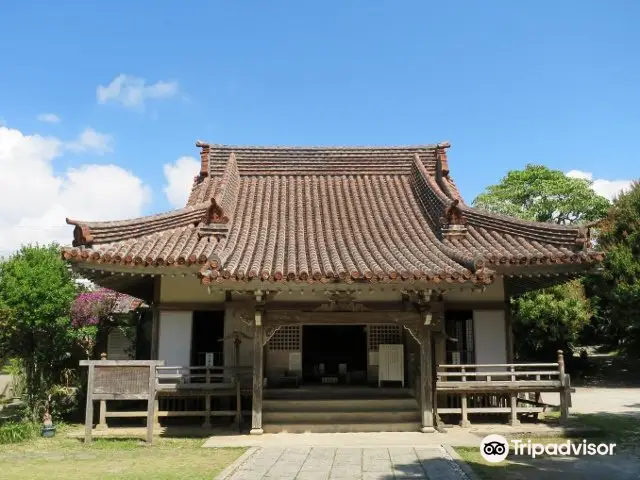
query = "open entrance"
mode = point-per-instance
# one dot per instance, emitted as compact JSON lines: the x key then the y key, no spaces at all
{"x":206,"y":339}
{"x":334,"y":354}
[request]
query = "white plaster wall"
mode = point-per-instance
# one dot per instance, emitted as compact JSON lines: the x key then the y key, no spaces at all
{"x":174,"y":341}
{"x":490,"y":336}
{"x":187,"y":289}
{"x":492,"y":293}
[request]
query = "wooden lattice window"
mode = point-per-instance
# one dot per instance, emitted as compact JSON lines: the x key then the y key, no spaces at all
{"x":383,"y":334}
{"x":287,"y":338}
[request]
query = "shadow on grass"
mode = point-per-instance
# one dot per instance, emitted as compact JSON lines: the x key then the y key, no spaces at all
{"x":621,"y":429}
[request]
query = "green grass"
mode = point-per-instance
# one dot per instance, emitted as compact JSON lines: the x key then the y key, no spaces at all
{"x":623,"y":430}
{"x":16,"y":432}
{"x":62,"y":458}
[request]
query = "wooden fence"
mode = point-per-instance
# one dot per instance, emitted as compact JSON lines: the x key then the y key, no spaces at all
{"x":185,"y":392}
{"x":500,"y":388}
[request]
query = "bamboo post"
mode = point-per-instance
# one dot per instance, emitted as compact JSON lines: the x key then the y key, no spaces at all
{"x":464,"y":419}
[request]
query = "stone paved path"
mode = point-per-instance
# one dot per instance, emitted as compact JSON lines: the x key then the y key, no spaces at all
{"x":344,"y":463}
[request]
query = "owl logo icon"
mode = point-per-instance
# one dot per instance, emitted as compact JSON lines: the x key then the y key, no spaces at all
{"x":494,"y":448}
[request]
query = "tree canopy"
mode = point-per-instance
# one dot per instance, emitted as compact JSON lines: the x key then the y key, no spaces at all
{"x":540,"y":194}
{"x":616,"y":290}
{"x":552,"y":318}
{"x":36,"y":291}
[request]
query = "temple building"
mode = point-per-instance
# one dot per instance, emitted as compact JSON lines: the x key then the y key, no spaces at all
{"x":346,"y":268}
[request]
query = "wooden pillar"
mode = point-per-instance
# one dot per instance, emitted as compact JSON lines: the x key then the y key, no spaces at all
{"x":258,"y":367}
{"x":88,"y":416}
{"x":464,"y":417}
{"x":156,"y":416}
{"x":508,"y":326}
{"x":207,"y":412}
{"x":155,"y":319}
{"x":155,"y":332}
{"x":102,"y":423}
{"x":564,"y":395}
{"x":513,"y":397}
{"x":426,"y":382}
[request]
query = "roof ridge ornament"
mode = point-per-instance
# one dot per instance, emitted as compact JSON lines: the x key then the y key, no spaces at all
{"x":205,"y":149}
{"x":583,"y":238}
{"x":81,"y":233}
{"x":214,"y":213}
{"x":453,"y":220}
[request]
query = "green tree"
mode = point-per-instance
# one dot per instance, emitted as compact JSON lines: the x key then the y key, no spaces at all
{"x":36,"y":291}
{"x":551,"y":318}
{"x":540,"y":194}
{"x":616,"y":290}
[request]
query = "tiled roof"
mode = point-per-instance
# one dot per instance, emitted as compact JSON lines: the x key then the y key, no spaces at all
{"x":329,"y":214}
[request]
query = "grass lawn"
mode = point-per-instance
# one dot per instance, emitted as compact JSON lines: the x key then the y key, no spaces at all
{"x":62,"y":458}
{"x":623,"y":430}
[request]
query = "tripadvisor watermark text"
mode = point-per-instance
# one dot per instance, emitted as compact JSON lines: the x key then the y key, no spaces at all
{"x":495,"y":448}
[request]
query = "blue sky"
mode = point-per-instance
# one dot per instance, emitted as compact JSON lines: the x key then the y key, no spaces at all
{"x":506,"y":82}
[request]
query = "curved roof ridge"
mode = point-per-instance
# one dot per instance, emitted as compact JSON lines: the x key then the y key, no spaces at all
{"x":322,"y":147}
{"x":88,"y":233}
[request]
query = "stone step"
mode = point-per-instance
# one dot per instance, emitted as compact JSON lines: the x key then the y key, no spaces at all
{"x":350,"y":405}
{"x":341,"y":428}
{"x":341,"y":417}
{"x":334,"y":393}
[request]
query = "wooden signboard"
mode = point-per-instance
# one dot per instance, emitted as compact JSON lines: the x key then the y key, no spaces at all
{"x":121,"y":380}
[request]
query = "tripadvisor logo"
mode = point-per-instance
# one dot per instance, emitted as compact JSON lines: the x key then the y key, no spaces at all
{"x":495,"y":448}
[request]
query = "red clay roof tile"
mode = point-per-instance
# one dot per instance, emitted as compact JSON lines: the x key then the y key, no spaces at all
{"x":328,"y":214}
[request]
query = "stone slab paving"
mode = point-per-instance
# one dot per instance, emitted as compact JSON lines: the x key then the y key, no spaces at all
{"x":454,"y":436}
{"x":346,"y":463}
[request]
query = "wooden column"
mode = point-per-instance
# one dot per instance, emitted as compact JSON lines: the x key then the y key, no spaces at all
{"x":102,"y":423}
{"x":88,"y":416}
{"x":155,"y":332}
{"x":508,"y":326}
{"x":564,"y":395}
{"x":258,"y":373}
{"x":464,"y":414}
{"x":513,"y":398}
{"x":426,"y":381}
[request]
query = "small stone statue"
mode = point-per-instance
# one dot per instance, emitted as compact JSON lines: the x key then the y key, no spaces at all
{"x":46,"y":420}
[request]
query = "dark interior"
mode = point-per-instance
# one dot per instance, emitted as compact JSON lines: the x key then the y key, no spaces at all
{"x":332,"y":345}
{"x":208,"y":330}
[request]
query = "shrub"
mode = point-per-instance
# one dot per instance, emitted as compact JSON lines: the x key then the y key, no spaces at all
{"x":16,"y":432}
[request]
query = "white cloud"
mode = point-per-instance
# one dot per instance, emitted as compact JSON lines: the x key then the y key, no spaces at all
{"x":607,"y":188}
{"x":48,"y":118}
{"x":132,"y":92}
{"x":34,"y":200}
{"x":91,"y":141}
{"x":179,"y":177}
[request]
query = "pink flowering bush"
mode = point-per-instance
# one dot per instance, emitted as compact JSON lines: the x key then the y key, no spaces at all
{"x":89,"y":311}
{"x":93,"y":308}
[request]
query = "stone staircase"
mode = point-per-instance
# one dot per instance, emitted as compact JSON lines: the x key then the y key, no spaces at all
{"x":332,"y":409}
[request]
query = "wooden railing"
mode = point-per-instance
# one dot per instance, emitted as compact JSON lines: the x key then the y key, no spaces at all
{"x":194,"y":392}
{"x":190,"y":391}
{"x":502,"y":381}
